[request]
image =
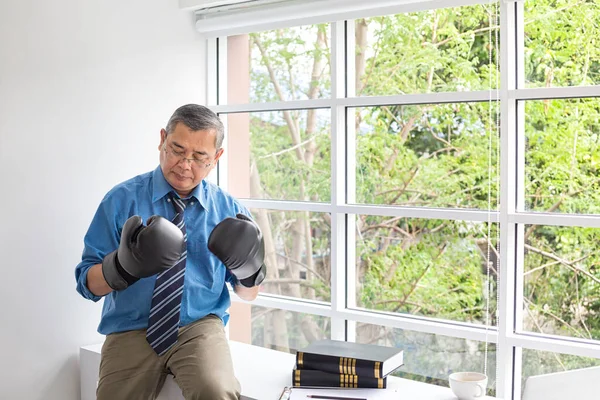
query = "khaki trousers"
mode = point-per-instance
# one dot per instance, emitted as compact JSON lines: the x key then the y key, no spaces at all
{"x":200,"y":362}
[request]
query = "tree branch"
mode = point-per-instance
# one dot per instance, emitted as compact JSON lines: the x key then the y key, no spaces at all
{"x":392,"y":227}
{"x":286,"y":114}
{"x":531,"y":271}
{"x":415,"y":283}
{"x":563,"y":262}
{"x":473,"y":32}
{"x":541,"y":309}
{"x":290,"y":148}
{"x":304,"y":266}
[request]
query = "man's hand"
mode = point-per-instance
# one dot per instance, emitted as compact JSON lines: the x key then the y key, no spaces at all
{"x":246,"y":293}
{"x":144,"y":251}
{"x":238,"y":243}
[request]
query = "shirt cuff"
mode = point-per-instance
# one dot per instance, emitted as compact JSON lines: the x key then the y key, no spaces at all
{"x":82,"y":286}
{"x":231,"y":278}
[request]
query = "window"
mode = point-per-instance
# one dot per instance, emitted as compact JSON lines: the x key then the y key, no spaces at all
{"x":560,"y":49}
{"x":432,"y":358}
{"x":281,"y":65}
{"x":442,"y":50}
{"x":286,"y":331}
{"x":561,"y":281}
{"x":289,"y":155}
{"x":437,"y":152}
{"x":427,"y":267}
{"x":425,"y":179}
{"x":562,"y":155}
{"x":298,"y":247}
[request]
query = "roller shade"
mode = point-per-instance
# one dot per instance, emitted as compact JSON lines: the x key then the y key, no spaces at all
{"x":231,"y":17}
{"x":228,"y":7}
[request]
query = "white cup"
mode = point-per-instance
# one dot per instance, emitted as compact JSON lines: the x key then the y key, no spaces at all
{"x":468,"y":385}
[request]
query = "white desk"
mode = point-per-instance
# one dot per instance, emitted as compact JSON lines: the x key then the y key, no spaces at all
{"x":263,"y":373}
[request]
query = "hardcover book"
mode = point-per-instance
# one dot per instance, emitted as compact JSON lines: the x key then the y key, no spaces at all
{"x":348,"y":358}
{"x":308,"y":377}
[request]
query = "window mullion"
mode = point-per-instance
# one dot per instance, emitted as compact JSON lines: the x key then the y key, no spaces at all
{"x":505,"y":355}
{"x":350,"y":175}
{"x":338,"y":180}
{"x":519,"y":107}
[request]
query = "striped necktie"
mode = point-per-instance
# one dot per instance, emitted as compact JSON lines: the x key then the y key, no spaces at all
{"x":163,"y":323}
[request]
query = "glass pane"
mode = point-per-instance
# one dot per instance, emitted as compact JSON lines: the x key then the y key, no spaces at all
{"x":549,"y":375}
{"x":428,"y":155}
{"x":279,"y":65}
{"x":432,"y":358}
{"x":562,"y":156}
{"x":561,"y":47}
{"x":433,"y":268}
{"x":289,"y":237}
{"x":289,"y":156}
{"x":561,"y":281}
{"x":287,"y":330}
{"x":443,"y":50}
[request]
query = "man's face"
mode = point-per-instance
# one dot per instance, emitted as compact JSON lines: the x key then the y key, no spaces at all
{"x":187,"y":157}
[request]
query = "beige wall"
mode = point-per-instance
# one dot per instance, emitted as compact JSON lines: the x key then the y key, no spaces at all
{"x":238,"y":140}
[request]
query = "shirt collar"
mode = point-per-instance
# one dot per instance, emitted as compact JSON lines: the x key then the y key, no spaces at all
{"x":161,"y":188}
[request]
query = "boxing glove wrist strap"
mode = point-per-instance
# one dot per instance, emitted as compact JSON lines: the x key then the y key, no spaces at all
{"x":255,"y":279}
{"x":115,"y":276}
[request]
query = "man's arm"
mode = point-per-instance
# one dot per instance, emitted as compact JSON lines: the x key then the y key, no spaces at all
{"x":96,"y":282}
{"x":101,"y":239}
{"x":246,"y":293}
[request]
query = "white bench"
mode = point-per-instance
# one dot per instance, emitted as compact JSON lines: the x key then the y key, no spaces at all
{"x":263,"y":373}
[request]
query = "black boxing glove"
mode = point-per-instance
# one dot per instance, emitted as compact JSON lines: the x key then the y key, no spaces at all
{"x":238,"y":243}
{"x":144,"y":251}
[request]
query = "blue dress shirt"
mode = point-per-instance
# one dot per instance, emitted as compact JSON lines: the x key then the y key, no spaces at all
{"x":204,"y":289}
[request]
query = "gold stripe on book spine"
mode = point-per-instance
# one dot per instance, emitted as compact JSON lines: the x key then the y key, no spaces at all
{"x":297,"y":378}
{"x":349,"y":366}
{"x":355,"y":381}
{"x":341,"y":362}
{"x":300,"y":359}
{"x":380,"y":383}
{"x":377,"y":369}
{"x":341,"y":380}
{"x":354,"y":366}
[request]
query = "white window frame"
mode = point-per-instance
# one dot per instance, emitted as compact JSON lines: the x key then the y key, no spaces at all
{"x":508,"y":335}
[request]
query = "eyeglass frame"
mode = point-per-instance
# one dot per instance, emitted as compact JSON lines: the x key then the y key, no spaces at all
{"x":181,"y":157}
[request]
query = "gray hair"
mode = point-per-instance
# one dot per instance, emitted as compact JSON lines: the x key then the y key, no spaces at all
{"x":197,"y":118}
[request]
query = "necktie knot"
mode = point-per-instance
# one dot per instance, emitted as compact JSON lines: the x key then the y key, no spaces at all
{"x":178,"y":203}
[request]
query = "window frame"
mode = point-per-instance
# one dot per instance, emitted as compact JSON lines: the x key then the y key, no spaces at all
{"x":508,"y":336}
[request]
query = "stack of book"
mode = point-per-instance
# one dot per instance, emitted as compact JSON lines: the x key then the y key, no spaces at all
{"x":334,"y":363}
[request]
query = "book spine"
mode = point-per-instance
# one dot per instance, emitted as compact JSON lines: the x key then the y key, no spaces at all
{"x":312,"y":378}
{"x":339,"y":365}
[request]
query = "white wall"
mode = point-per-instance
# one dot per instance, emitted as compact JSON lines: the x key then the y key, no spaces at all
{"x":85,"y":86}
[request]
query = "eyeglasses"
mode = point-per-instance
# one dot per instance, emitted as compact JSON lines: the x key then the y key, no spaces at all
{"x":174,"y":155}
